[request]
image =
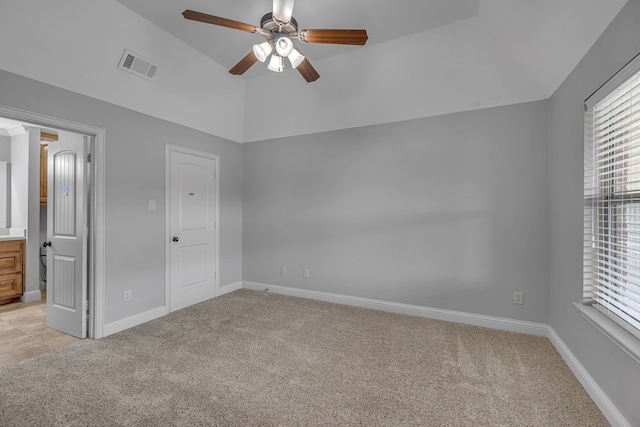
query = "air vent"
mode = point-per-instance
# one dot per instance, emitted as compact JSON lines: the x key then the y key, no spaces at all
{"x":136,"y":64}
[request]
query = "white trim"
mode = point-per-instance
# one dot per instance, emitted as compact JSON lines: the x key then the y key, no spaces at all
{"x":223,"y":290}
{"x":167,"y":230}
{"x":167,"y":180}
{"x":97,"y":231}
{"x":31,"y":296}
{"x":500,"y":323}
{"x":97,"y":257}
{"x":606,"y":406}
{"x":135,"y":320}
{"x":623,"y":339}
{"x":138,"y":319}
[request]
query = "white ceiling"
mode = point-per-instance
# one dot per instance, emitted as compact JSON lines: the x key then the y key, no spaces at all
{"x":7,"y":124}
{"x":10,"y":127}
{"x":423,"y":58}
{"x":383,"y":20}
{"x":546,"y":37}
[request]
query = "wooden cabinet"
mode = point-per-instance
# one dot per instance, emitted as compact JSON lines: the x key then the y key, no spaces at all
{"x":44,"y":151}
{"x":46,"y":139}
{"x":11,"y":270}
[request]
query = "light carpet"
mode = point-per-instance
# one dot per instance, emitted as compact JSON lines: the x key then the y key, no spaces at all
{"x":254,"y":358}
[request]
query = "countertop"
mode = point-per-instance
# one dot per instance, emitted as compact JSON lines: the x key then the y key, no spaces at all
{"x":12,"y":234}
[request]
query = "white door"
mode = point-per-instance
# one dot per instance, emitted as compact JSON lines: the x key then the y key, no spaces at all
{"x":67,"y":234}
{"x":192,"y":229}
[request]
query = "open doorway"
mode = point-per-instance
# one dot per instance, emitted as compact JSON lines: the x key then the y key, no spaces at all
{"x":34,"y":214}
{"x":38,"y":272}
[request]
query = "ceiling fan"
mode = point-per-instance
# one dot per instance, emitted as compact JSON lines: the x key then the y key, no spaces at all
{"x":279,"y":28}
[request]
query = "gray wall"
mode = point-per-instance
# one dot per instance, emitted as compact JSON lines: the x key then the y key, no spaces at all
{"x":25,"y":202}
{"x":5,"y":148}
{"x":447,"y":212}
{"x":135,"y":173}
{"x":32,"y":250}
{"x":615,"y":372}
{"x":19,"y":180}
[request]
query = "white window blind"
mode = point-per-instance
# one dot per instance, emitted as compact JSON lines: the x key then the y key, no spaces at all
{"x":612,"y":202}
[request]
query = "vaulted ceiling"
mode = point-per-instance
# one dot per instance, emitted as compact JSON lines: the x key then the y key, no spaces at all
{"x":423,"y":58}
{"x":384,"y":20}
{"x":546,"y":37}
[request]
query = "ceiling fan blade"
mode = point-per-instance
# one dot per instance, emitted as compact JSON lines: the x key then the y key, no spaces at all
{"x":282,"y":10}
{"x":216,"y":20}
{"x":355,"y":37}
{"x":308,"y":72}
{"x":244,"y":64}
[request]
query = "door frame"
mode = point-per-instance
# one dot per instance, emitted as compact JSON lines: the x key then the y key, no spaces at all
{"x":167,"y":277}
{"x":96,"y":203}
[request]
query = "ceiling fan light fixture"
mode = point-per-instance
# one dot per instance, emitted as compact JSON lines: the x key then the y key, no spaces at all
{"x":279,"y":28}
{"x":276,"y":64}
{"x":296,"y":58}
{"x":262,"y":51}
{"x":284,"y":46}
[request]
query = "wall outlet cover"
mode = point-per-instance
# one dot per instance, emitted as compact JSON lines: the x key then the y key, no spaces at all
{"x":518,"y":298}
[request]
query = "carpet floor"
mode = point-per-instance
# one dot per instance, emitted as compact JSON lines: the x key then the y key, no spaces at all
{"x":258,"y":359}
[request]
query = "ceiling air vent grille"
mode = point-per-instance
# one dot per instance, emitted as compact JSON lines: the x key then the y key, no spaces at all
{"x":136,"y":64}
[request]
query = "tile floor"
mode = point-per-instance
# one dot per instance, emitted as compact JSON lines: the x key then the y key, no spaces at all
{"x":24,"y":333}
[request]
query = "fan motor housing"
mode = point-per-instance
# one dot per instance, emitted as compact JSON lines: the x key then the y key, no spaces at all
{"x":270,"y":25}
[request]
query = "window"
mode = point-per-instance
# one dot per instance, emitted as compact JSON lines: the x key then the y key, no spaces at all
{"x":612,"y":199}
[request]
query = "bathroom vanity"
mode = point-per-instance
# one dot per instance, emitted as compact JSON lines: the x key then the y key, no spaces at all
{"x":11,"y":267}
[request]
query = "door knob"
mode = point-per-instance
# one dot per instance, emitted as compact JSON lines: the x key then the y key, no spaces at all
{"x":45,"y":244}
{"x":175,"y":239}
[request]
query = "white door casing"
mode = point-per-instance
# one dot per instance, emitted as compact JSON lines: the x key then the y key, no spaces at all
{"x":192,"y":236}
{"x":67,"y":234}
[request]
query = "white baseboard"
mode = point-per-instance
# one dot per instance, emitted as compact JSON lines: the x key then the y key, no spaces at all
{"x":500,"y":323}
{"x":138,"y":319}
{"x":229,"y":288}
{"x":31,"y":296}
{"x":130,"y":322}
{"x":608,"y":409}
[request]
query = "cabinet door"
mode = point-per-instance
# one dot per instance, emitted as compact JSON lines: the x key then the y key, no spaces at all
{"x":10,"y":286}
{"x":10,"y":263}
{"x":44,"y":150}
{"x":11,"y":246}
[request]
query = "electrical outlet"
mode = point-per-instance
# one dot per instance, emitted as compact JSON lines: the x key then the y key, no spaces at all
{"x":518,"y":298}
{"x":283,"y":271}
{"x":127,"y":295}
{"x":306,"y":273}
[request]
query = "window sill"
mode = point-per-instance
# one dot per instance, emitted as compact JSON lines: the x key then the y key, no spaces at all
{"x":623,"y":339}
